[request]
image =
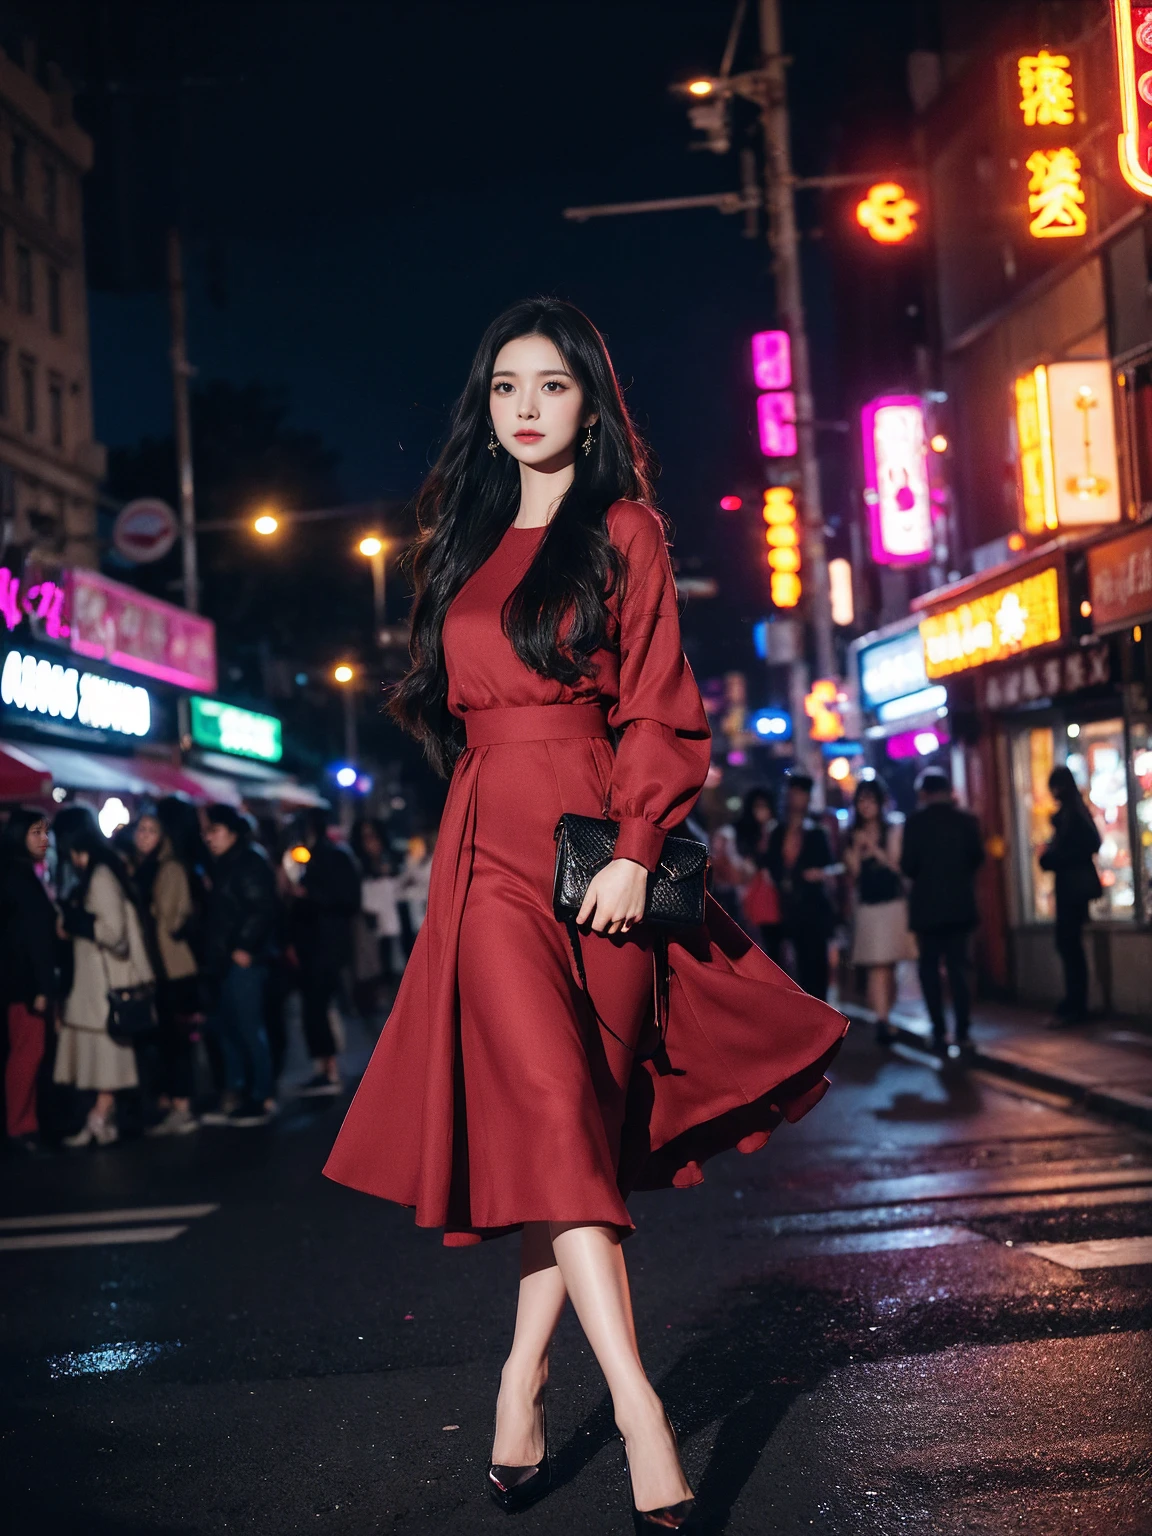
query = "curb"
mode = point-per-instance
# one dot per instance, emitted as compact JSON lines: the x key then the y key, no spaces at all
{"x":1115,"y":1103}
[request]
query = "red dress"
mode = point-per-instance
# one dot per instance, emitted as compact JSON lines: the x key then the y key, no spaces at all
{"x":493,"y":1096}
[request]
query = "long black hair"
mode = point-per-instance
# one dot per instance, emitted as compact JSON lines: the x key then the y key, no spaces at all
{"x":14,"y":833}
{"x":77,"y":831}
{"x":750,"y":830}
{"x":469,"y":501}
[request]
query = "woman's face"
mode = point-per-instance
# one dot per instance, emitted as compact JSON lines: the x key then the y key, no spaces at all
{"x":36,"y":841}
{"x":370,"y":843}
{"x":146,"y":837}
{"x":536,"y":405}
{"x":762,"y":810}
{"x":868,"y":806}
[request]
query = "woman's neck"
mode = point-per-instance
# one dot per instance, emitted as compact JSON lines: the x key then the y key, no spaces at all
{"x":541,"y":491}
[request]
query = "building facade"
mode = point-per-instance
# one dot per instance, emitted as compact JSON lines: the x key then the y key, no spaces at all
{"x":49,"y":464}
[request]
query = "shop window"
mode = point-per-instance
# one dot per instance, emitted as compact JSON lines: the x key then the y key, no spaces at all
{"x":1142,"y":785}
{"x":55,"y":307}
{"x":1095,"y":754}
{"x":1033,"y":761}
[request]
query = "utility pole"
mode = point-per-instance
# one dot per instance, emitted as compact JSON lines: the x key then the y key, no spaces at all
{"x":183,"y":420}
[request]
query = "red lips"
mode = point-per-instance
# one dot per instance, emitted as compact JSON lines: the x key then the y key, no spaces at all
{"x":528,"y":437}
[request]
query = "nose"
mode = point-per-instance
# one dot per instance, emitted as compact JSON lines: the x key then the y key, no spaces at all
{"x":528,"y":409}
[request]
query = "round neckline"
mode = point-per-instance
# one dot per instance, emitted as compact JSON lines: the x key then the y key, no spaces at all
{"x":538,"y":528}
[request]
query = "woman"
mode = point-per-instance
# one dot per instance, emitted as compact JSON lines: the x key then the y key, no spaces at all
{"x":760,"y":900}
{"x":378,"y":924}
{"x":1069,"y":856}
{"x":799,"y":860}
{"x":109,"y":952}
{"x":164,"y":886}
{"x":880,"y":938}
{"x":28,"y":979}
{"x":497,"y":1098}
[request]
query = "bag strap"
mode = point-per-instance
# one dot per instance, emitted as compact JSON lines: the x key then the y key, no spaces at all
{"x":661,"y":982}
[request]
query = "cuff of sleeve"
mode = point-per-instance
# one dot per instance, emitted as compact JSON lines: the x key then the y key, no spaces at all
{"x":640,"y":840}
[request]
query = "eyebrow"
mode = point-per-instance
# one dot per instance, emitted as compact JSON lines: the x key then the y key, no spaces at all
{"x":541,"y":373}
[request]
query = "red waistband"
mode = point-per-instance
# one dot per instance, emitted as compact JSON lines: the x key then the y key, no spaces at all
{"x":534,"y":722}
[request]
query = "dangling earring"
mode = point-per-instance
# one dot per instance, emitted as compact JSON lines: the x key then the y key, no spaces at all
{"x":587,"y":443}
{"x":492,"y":445}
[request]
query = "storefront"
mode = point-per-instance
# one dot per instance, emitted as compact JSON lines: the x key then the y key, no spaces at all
{"x":904,"y":721}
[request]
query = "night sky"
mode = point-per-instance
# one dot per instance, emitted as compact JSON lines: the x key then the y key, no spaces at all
{"x":363,"y":186}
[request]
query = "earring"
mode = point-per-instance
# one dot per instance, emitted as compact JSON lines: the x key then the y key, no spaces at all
{"x":587,"y":443}
{"x":493,"y":445}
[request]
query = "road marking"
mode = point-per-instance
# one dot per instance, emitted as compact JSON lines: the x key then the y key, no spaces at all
{"x":92,"y":1218}
{"x":892,"y":1241}
{"x":1096,"y":1253}
{"x":89,"y":1239}
{"x":962,"y":1183}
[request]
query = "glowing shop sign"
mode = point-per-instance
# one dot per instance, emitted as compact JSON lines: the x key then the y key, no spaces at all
{"x":891,"y":669}
{"x":1055,"y":196}
{"x":772,"y":359}
{"x":65,"y":693}
{"x":783,"y":539}
{"x":39,"y":600}
{"x":1066,"y":433}
{"x":822,"y":706}
{"x":1046,"y":89}
{"x":776,"y":419}
{"x":993,"y":626}
{"x":228,"y":728}
{"x":896,"y":488}
{"x":888,"y":213}
{"x":1132,"y":28}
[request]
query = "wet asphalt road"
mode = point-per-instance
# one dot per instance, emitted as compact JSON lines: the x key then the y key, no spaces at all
{"x":847,"y":1331}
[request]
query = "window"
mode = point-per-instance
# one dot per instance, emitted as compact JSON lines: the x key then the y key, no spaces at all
{"x":28,"y":392}
{"x":5,"y":396}
{"x":24,"y":297}
{"x":55,"y":310}
{"x":56,"y":410}
{"x":20,"y":167}
{"x":51,"y":195}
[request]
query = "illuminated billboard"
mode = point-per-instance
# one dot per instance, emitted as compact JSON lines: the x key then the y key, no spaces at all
{"x":896,"y":489}
{"x":993,"y":626}
{"x":1066,"y":443}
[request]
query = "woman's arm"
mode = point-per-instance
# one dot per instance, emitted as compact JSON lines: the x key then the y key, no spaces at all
{"x":108,"y":905}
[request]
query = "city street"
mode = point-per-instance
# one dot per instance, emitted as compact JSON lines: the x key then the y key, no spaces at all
{"x":855,"y":1331}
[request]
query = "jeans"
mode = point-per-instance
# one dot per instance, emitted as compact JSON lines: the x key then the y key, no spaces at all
{"x":239,"y":1026}
{"x":950,"y":947}
{"x":1070,"y":919}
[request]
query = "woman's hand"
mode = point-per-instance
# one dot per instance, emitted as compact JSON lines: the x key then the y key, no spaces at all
{"x":614,"y":901}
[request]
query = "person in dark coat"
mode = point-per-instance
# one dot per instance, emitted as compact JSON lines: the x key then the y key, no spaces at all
{"x":239,"y":928}
{"x":799,"y":859}
{"x":28,"y":974}
{"x":1070,"y":857}
{"x":327,"y":903}
{"x":942,"y":852}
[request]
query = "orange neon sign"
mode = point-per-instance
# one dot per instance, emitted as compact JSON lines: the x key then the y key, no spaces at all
{"x":821,"y":707}
{"x":1055,"y":196}
{"x":993,"y":626}
{"x":1046,"y":89}
{"x":888,"y":213}
{"x":1132,"y":26}
{"x":783,"y":539}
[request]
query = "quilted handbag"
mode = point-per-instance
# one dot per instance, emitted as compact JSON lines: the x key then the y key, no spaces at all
{"x":585,"y":844}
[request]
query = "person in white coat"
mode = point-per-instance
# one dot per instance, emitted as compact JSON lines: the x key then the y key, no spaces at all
{"x":108,"y":952}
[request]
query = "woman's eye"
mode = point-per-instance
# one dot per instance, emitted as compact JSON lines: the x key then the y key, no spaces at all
{"x":554,"y":384}
{"x":501,"y":386}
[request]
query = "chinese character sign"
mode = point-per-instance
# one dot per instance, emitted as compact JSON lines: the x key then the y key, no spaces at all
{"x":993,"y":626}
{"x":1066,"y":437}
{"x":1055,"y":196}
{"x":772,"y":359}
{"x":1046,"y":89}
{"x":888,"y":213}
{"x":1034,"y":451}
{"x":896,"y":488}
{"x":776,"y":419}
{"x":1132,"y":29}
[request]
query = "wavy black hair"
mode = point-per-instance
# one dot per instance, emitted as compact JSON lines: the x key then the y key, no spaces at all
{"x":469,"y":501}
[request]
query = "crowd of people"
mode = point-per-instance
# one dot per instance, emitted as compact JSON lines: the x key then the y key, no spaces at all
{"x":145,"y":980}
{"x":892,"y":890}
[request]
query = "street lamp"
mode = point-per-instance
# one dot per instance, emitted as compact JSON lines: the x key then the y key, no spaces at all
{"x":346,"y":677}
{"x":343,"y":674}
{"x":266,"y":524}
{"x":375,"y":549}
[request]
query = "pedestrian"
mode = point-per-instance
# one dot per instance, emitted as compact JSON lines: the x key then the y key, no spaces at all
{"x":102,"y":919}
{"x":327,"y":902}
{"x":29,"y":981}
{"x":1070,"y":857}
{"x":239,"y":925}
{"x":941,"y":853}
{"x":511,"y":1088}
{"x":759,"y":898}
{"x":164,"y":882}
{"x":880,"y":937}
{"x":413,"y":894}
{"x":378,"y":926}
{"x":799,"y":859}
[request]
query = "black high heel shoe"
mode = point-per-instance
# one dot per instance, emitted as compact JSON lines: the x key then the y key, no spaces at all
{"x":514,"y":1488}
{"x":669,"y":1517}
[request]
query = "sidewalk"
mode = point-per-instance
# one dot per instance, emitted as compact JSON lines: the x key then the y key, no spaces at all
{"x":1105,"y":1066}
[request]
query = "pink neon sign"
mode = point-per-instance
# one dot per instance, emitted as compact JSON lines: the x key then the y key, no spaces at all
{"x":142,"y":634}
{"x":41,"y":601}
{"x":776,"y":418}
{"x":772,"y":359}
{"x":896,"y":489}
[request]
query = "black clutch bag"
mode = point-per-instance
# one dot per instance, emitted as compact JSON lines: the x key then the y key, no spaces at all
{"x":585,"y":844}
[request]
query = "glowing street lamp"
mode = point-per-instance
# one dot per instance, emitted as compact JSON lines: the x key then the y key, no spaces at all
{"x":374,"y":548}
{"x":266,"y":524}
{"x":700,"y":87}
{"x":343,"y":674}
{"x":371,"y":546}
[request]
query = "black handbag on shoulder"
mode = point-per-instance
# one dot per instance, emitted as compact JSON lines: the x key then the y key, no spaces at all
{"x":131,"y":1012}
{"x":586,"y":844}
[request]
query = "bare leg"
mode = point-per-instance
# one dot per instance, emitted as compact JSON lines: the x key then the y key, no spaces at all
{"x":592,"y":1265}
{"x":542,"y":1296}
{"x":881,"y":991}
{"x":104,"y":1105}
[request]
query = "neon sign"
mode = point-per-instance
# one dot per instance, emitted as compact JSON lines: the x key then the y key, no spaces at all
{"x":1132,"y":26}
{"x":822,"y":708}
{"x":776,"y":419}
{"x":896,"y":489}
{"x":228,"y":728}
{"x":1046,"y":89}
{"x":888,"y":213}
{"x":783,"y":539}
{"x":1066,"y":439}
{"x":772,"y":359}
{"x":61,"y":692}
{"x":1055,"y":196}
{"x":993,"y":626}
{"x":42,"y":601}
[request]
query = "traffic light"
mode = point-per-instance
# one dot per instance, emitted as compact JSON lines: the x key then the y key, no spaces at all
{"x":783,"y":539}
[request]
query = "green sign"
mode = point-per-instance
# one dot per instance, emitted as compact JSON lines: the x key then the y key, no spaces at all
{"x":228,"y":728}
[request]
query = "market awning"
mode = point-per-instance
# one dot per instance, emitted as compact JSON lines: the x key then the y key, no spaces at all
{"x":22,"y":776}
{"x":106,"y":774}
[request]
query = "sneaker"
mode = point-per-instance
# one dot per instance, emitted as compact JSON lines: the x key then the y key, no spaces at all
{"x":222,"y":1114}
{"x":177,"y":1122}
{"x":319,"y":1085}
{"x":249,"y":1114}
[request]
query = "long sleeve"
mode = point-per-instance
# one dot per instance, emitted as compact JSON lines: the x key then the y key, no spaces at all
{"x":664,"y":749}
{"x":107,"y":903}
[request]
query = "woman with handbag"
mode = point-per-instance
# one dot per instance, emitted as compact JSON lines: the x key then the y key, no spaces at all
{"x":112,"y":979}
{"x":880,"y":937}
{"x":759,"y":900}
{"x":520,"y":1083}
{"x":1070,"y":855}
